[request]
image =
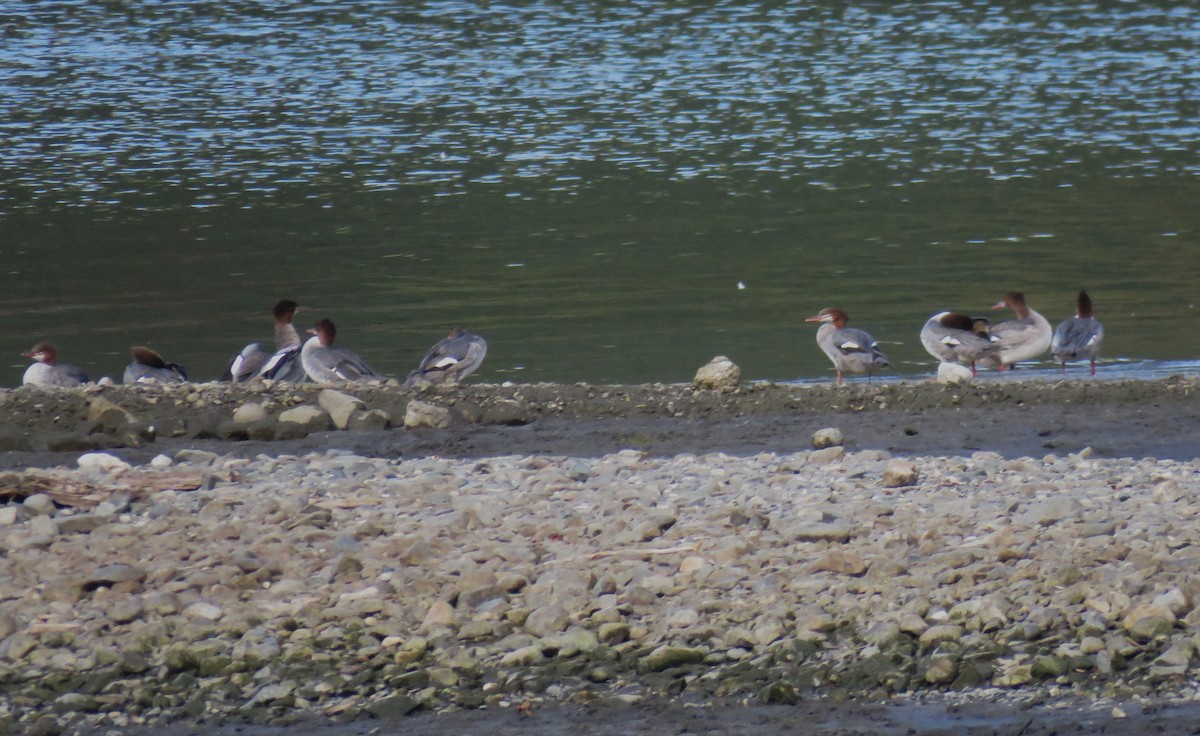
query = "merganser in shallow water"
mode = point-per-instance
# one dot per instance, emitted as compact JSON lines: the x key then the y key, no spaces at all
{"x":957,"y":338}
{"x":47,"y":371}
{"x":851,"y":350}
{"x":1025,"y":337}
{"x":148,"y":365}
{"x":326,"y":364}
{"x":1078,"y":337}
{"x":284,"y":363}
{"x":452,"y":359}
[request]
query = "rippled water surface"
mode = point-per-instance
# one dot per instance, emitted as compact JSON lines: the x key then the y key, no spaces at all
{"x":590,"y":184}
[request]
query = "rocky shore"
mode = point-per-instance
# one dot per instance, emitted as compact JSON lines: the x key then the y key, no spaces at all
{"x":186,"y":554}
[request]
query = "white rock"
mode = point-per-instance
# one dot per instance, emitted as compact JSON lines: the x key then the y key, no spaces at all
{"x":161,"y":461}
{"x":102,"y":462}
{"x":247,"y":413}
{"x":953,"y":373}
{"x":828,"y":437}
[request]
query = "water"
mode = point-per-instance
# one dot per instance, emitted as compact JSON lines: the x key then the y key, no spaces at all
{"x":588,"y":184}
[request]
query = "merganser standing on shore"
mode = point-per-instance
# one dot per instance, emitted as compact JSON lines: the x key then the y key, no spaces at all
{"x":246,"y":364}
{"x":851,"y":350}
{"x":452,"y":359}
{"x":47,"y":371}
{"x":284,"y":363}
{"x":1025,"y":337}
{"x":326,"y":364}
{"x":1078,"y":337}
{"x":148,"y":365}
{"x":957,"y":338}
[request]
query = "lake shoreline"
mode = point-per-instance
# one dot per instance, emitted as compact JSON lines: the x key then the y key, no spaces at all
{"x":991,"y":558}
{"x":1123,"y":418}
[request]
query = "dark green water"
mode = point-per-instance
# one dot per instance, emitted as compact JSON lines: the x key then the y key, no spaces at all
{"x":586,"y":184}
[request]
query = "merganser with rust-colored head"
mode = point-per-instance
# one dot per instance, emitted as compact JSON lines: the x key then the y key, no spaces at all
{"x":452,"y":359}
{"x":852,"y":350}
{"x":47,"y":371}
{"x":1078,"y":337}
{"x":149,"y":366}
{"x":283,"y":364}
{"x":1023,"y":338}
{"x":957,"y":338}
{"x":326,"y":364}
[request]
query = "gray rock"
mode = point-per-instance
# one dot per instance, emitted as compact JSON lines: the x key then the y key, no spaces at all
{"x":370,"y":421}
{"x":827,"y":456}
{"x":823,"y":533}
{"x":828,"y":437}
{"x":261,"y":431}
{"x":43,"y":528}
{"x":667,"y":656}
{"x":842,"y":562}
{"x":523,"y":657}
{"x":420,"y":414}
{"x":720,"y":374}
{"x":107,"y":414}
{"x":40,"y":504}
{"x":312,"y":418}
{"x":547,"y":620}
{"x":1149,"y":621}
{"x":285,"y":431}
{"x":899,"y":473}
{"x":340,"y":406}
{"x":249,"y":413}
{"x":196,"y":457}
{"x":110,"y":575}
{"x":82,"y":523}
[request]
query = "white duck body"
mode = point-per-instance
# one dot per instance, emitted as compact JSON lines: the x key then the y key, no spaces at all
{"x":328,"y":365}
{"x":452,"y":359}
{"x":1023,"y":338}
{"x":47,"y":371}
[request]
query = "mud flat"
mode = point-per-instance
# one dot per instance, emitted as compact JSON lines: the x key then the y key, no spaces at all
{"x":1016,"y":558}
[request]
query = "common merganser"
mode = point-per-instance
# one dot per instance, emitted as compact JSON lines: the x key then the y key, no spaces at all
{"x":850,"y":349}
{"x":957,"y":338}
{"x":246,"y":364}
{"x":148,"y":365}
{"x":326,"y":364}
{"x":1078,"y":337}
{"x":47,"y":371}
{"x":1025,"y":337}
{"x":284,"y":364}
{"x":452,"y":359}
